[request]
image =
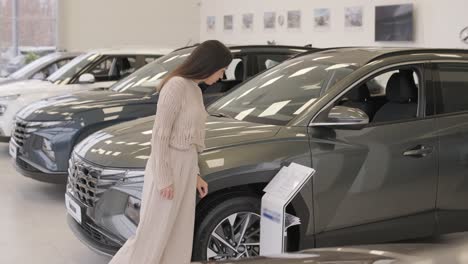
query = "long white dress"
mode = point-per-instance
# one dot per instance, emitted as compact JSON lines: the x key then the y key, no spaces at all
{"x":165,"y":232}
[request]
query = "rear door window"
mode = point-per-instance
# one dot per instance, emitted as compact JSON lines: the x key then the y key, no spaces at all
{"x":451,"y":84}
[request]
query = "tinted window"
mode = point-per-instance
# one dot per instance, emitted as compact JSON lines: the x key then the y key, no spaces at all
{"x":279,"y":94}
{"x":266,"y":61}
{"x":376,"y":100}
{"x":452,"y":88}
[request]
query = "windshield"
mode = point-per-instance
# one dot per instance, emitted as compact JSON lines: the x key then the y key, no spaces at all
{"x":278,"y":95}
{"x":147,"y":78}
{"x":33,"y":66}
{"x":67,"y":72}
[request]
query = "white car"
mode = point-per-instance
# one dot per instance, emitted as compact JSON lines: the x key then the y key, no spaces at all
{"x":95,"y":69}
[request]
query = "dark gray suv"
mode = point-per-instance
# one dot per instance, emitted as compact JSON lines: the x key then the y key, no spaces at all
{"x":386,"y":129}
{"x":47,"y":131}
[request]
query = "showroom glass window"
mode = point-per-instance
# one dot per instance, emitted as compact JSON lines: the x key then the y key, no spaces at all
{"x":451,"y":88}
{"x":283,"y":92}
{"x":35,"y":32}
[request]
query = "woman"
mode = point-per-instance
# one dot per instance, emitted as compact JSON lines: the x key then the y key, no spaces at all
{"x":165,"y":231}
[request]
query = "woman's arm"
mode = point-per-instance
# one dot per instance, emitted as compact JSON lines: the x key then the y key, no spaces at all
{"x":169,"y":104}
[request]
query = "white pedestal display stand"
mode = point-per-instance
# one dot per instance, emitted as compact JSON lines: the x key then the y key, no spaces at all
{"x":278,"y":194}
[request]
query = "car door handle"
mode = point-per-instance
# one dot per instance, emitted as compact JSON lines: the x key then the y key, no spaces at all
{"x":419,"y":151}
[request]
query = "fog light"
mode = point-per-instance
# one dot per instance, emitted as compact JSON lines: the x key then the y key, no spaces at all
{"x":132,"y":210}
{"x":47,"y":149}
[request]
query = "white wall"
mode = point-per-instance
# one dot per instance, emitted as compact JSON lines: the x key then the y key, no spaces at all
{"x":87,"y":24}
{"x":437,"y":22}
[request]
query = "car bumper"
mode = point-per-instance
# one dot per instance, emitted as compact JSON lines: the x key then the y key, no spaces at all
{"x":34,"y":171}
{"x":92,"y":237}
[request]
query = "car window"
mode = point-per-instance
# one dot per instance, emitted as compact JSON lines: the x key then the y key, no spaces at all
{"x":388,"y":96}
{"x":267,"y":61}
{"x":451,"y":88}
{"x":146,"y":79}
{"x":113,"y":68}
{"x":33,"y":66}
{"x":65,"y":74}
{"x":238,"y":65}
{"x":279,"y":94}
{"x":150,"y":59}
{"x":62,"y":63}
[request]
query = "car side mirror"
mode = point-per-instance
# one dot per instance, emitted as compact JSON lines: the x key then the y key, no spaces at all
{"x":39,"y":76}
{"x":344,"y":118}
{"x":87,"y":78}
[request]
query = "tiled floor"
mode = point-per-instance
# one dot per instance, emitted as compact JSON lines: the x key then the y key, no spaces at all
{"x":33,"y":226}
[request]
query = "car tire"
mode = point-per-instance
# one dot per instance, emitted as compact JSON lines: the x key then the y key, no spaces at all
{"x":214,"y":217}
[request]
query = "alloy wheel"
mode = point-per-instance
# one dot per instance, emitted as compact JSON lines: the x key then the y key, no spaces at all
{"x":236,"y":236}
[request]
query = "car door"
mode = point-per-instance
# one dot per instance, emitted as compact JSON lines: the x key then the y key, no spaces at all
{"x":451,"y":109}
{"x":377,"y":183}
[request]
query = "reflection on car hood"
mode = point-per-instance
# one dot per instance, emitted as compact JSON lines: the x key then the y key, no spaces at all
{"x":66,"y":106}
{"x":26,"y":86}
{"x":127,"y":145}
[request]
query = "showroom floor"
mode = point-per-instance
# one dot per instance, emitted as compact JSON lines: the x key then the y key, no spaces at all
{"x":33,"y":226}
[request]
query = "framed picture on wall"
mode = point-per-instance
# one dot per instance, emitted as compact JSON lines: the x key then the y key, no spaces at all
{"x":247,"y":21}
{"x":210,"y":23}
{"x":269,"y":20}
{"x":294,"y":19}
{"x":322,"y":18}
{"x":228,"y":22}
{"x":394,"y":23}
{"x":353,"y":17}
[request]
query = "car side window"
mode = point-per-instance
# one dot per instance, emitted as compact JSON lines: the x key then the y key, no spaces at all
{"x":113,"y":68}
{"x":235,"y":70}
{"x":234,"y":75}
{"x":451,"y":88}
{"x":266,"y":61}
{"x":61,"y":63}
{"x":390,"y":96}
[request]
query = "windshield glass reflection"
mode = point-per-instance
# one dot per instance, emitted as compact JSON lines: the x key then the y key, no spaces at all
{"x":280,"y":94}
{"x":148,"y":78}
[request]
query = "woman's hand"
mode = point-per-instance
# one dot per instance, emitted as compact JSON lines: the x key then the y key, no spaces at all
{"x":167,"y":193}
{"x":202,"y":187}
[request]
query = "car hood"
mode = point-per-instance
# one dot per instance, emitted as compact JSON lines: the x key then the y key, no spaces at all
{"x":127,"y":145}
{"x":4,"y":81}
{"x":25,"y":86}
{"x":66,"y":106}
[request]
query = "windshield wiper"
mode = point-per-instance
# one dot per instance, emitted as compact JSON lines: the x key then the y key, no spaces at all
{"x":220,"y":115}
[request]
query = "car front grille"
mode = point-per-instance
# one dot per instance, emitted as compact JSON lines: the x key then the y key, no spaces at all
{"x":22,"y":130}
{"x":87,"y":182}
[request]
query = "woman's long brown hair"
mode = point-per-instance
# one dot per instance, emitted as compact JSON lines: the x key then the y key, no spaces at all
{"x":208,"y":58}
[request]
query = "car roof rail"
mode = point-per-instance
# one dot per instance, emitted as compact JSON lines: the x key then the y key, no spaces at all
{"x":408,"y":51}
{"x":187,"y":47}
{"x":320,"y":50}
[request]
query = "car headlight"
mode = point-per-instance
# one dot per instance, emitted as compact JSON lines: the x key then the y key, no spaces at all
{"x":9,"y":97}
{"x":47,"y":149}
{"x":132,"y":210}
